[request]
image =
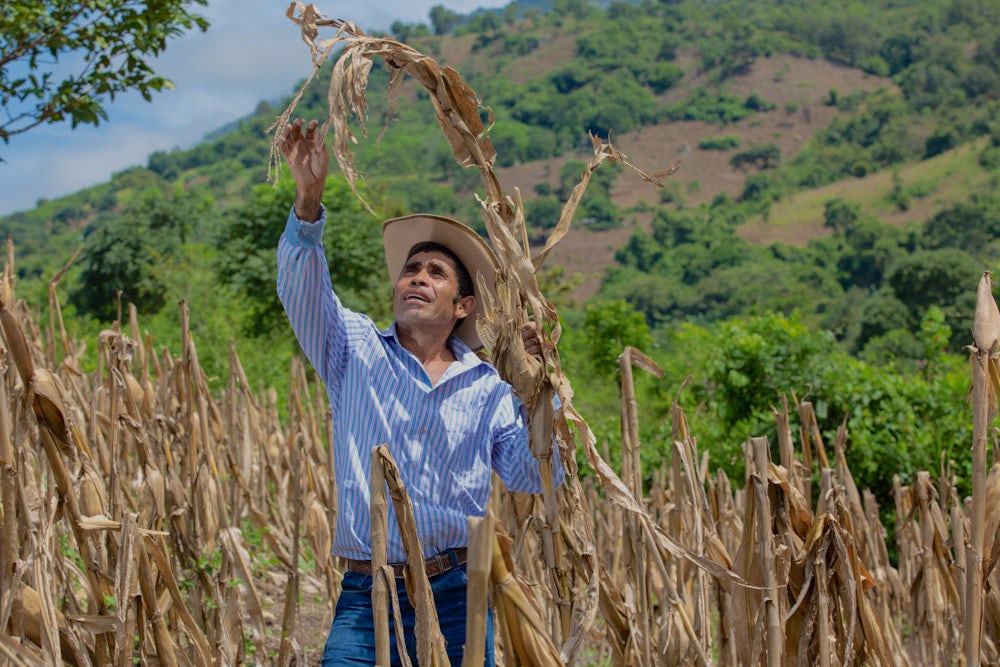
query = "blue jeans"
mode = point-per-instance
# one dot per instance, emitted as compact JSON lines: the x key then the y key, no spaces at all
{"x":352,"y":635}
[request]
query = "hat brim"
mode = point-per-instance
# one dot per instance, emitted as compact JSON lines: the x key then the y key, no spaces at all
{"x":401,"y":234}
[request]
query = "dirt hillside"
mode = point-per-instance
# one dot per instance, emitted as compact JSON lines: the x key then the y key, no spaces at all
{"x":797,"y":88}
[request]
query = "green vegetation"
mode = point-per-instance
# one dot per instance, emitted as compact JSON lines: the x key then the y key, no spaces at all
{"x":723,"y":143}
{"x":867,"y":317}
{"x":119,"y":37}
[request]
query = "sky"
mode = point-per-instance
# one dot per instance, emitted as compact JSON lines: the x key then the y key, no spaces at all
{"x":250,"y":52}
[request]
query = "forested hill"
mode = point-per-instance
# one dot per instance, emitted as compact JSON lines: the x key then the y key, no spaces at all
{"x":838,"y":168}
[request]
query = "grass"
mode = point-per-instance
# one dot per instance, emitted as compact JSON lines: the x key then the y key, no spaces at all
{"x":947,"y":179}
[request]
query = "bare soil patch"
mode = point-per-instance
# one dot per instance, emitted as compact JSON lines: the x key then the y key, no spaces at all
{"x":797,"y":86}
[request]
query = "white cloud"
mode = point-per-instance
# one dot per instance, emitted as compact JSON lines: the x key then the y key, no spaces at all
{"x":251,"y":52}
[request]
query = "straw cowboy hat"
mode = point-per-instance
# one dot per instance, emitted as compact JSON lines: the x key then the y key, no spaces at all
{"x":401,"y":234}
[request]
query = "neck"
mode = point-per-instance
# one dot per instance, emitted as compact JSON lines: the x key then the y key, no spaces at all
{"x":429,"y":347}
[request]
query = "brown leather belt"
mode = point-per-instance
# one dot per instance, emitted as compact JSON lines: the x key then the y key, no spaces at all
{"x":436,"y":564}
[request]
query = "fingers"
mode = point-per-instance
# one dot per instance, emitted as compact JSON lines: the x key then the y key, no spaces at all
{"x":293,"y":132}
{"x":532,"y":342}
{"x":310,"y":130}
{"x":303,"y":148}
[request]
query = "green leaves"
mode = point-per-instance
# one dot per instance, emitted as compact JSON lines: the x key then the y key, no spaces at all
{"x":131,"y":252}
{"x":898,"y":421}
{"x":609,"y":326}
{"x":100,"y":48}
{"x":248,"y":241}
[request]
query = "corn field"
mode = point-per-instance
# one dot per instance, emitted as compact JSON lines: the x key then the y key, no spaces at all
{"x":136,"y":508}
{"x":148,"y":520}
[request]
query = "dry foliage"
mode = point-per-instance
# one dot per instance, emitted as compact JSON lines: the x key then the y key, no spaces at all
{"x":135,"y":505}
{"x":128,"y":494}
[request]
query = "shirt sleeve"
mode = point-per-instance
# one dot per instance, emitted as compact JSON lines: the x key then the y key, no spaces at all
{"x":305,"y":291}
{"x":512,"y":457}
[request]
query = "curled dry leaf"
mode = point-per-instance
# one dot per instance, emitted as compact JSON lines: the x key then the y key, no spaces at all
{"x":16,"y":343}
{"x":318,"y":530}
{"x":50,"y":408}
{"x":207,"y":500}
{"x":986,"y":324}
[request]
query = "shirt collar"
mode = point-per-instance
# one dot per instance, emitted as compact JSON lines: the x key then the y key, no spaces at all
{"x":463,"y":353}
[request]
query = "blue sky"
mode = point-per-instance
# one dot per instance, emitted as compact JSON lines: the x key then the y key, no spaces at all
{"x":251,"y":52}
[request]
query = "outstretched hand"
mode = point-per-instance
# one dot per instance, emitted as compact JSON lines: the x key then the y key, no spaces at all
{"x":308,"y":159}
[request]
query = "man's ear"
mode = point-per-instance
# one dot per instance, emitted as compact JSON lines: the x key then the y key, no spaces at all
{"x":464,"y":306}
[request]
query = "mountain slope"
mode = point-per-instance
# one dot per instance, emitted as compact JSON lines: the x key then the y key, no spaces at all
{"x":776,"y":98}
{"x":797,"y":86}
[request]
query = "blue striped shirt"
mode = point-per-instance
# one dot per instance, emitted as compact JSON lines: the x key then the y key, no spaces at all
{"x":446,"y":438}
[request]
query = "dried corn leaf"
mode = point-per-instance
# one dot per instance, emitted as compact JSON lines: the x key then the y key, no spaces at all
{"x":986,"y":324}
{"x":518,"y":610}
{"x":455,"y":104}
{"x":430,"y":641}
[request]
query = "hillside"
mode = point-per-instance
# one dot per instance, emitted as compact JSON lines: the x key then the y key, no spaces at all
{"x":772,"y":114}
{"x":935,"y":184}
{"x":798,"y":88}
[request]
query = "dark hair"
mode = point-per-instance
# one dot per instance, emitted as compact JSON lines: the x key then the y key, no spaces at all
{"x":464,"y":279}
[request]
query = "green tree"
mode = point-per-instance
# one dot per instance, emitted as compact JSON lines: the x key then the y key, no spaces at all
{"x":761,"y":358}
{"x":841,"y":215}
{"x":130,"y":252}
{"x":596,"y":208}
{"x":443,"y":19}
{"x":247,"y":261}
{"x":609,"y":326}
{"x":407,"y":31}
{"x":65,"y":60}
{"x":869,"y":249}
{"x":760,"y":188}
{"x":659,"y":298}
{"x":761,"y":157}
{"x":543,"y":212}
{"x":880,"y":314}
{"x":945,"y":278}
{"x":971,"y":226}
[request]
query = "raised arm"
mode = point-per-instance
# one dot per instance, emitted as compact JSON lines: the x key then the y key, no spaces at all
{"x":304,"y":286}
{"x":308,"y":159}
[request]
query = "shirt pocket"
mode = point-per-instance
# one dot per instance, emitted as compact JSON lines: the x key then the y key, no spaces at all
{"x":463,"y":421}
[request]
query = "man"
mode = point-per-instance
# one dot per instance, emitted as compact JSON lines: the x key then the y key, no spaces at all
{"x":419,"y":387}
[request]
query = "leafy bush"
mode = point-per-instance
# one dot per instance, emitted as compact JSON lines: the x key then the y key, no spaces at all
{"x":721,"y":143}
{"x":609,"y":326}
{"x":543,"y":212}
{"x":249,"y":265}
{"x":766,"y":156}
{"x":128,"y":253}
{"x":718,"y":108}
{"x":896,"y":421}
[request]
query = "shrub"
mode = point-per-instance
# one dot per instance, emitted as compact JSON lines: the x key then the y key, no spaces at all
{"x":720,"y":143}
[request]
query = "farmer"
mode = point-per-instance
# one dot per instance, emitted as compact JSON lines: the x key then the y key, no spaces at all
{"x":418,"y":387}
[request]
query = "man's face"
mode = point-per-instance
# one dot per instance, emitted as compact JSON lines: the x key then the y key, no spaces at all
{"x":425,"y":293}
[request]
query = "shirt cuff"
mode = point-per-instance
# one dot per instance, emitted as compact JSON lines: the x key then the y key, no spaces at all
{"x":301,"y":233}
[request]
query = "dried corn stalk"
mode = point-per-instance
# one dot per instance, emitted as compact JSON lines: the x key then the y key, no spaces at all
{"x":430,"y":641}
{"x":985,"y":360}
{"x":143,"y":511}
